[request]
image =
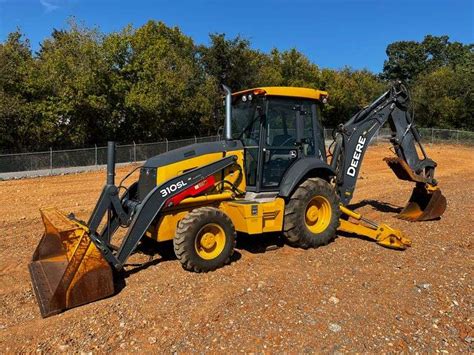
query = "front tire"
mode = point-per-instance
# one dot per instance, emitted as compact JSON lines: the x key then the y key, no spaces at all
{"x":205,"y":240}
{"x":311,"y":215}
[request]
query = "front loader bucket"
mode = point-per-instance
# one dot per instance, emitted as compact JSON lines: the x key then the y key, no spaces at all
{"x":67,"y":269}
{"x":426,"y":203}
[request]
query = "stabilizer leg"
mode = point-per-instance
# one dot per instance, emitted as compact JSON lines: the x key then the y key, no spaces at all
{"x":382,"y":234}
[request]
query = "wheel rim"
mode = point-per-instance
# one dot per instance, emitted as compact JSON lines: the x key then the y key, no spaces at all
{"x":210,"y":241}
{"x":318,"y":214}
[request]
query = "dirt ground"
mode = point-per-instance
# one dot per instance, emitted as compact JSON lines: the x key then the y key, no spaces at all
{"x":351,"y":295}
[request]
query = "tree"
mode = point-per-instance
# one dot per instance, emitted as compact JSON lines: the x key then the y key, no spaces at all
{"x":16,"y":109}
{"x":349,"y":91}
{"x":445,"y":98}
{"x":168,"y":90}
{"x":85,"y":87}
{"x":288,"y":68}
{"x":408,"y":59}
{"x":73,"y":86}
{"x":230,"y":61}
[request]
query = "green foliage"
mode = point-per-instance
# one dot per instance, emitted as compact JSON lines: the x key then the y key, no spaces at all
{"x":16,"y":94}
{"x":166,"y":96}
{"x":73,"y":88}
{"x":441,"y":76}
{"x":289,"y":68}
{"x":445,"y":98}
{"x":230,"y":61}
{"x":349,"y":91}
{"x":408,"y":59}
{"x":84,"y":87}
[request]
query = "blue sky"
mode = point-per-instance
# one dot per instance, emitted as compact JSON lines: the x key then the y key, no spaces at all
{"x":331,"y":33}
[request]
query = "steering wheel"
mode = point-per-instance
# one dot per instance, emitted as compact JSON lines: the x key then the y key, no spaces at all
{"x":289,"y":139}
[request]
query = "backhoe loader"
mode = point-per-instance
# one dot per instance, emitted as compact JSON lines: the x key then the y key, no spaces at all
{"x":270,"y":173}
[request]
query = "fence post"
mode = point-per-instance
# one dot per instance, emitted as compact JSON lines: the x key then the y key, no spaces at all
{"x":50,"y":161}
{"x":457,"y":136}
{"x":134,"y":152}
{"x":432,"y":134}
{"x":166,"y":140}
{"x":195,"y":139}
{"x":95,"y":154}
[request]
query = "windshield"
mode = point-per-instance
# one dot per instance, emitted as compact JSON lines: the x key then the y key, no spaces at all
{"x":245,"y":120}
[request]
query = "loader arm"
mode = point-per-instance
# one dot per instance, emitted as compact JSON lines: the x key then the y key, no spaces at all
{"x":73,"y":262}
{"x":352,"y":140}
{"x":144,"y":213}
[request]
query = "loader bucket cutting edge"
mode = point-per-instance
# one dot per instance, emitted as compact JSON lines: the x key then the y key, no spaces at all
{"x":424,"y":204}
{"x":67,"y":269}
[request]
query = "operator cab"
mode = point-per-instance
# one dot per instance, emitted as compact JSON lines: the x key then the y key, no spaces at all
{"x":277,"y":126}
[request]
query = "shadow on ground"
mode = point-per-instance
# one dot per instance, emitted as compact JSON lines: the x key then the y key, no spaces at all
{"x":377,"y":205}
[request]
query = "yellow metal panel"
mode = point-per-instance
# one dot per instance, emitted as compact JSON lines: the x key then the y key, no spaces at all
{"x":306,"y":93}
{"x":272,"y":217}
{"x":255,"y":218}
{"x":165,"y":229}
{"x":164,"y":173}
{"x":234,"y":174}
{"x":268,"y":217}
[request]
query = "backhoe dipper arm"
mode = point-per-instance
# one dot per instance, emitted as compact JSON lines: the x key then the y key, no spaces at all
{"x":352,"y":140}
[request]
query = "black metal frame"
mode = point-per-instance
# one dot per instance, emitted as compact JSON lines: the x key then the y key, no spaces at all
{"x":353,"y":138}
{"x":262,"y":146}
{"x":137,"y":215}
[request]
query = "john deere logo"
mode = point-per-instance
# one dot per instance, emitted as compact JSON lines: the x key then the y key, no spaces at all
{"x":351,"y":171}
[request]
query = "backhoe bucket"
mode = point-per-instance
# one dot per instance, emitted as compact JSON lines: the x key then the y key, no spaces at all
{"x":67,"y":269}
{"x":426,"y":203}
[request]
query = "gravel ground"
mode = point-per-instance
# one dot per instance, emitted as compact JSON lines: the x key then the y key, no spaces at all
{"x":351,"y":295}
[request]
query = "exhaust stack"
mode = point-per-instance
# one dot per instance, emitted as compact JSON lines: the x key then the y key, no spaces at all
{"x":111,"y":163}
{"x":228,"y":113}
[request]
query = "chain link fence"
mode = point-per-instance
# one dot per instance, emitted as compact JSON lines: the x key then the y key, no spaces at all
{"x":59,"y":159}
{"x":436,"y":135}
{"x":428,"y":135}
{"x":89,"y":157}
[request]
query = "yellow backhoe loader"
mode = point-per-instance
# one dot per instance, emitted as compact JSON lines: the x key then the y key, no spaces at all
{"x":270,"y":173}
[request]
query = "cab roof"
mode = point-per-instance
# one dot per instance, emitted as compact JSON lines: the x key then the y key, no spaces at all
{"x":287,"y":91}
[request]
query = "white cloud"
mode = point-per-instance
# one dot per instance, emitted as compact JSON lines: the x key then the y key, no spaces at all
{"x":49,"y":5}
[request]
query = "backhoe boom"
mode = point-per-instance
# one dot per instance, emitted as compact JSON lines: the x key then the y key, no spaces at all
{"x":352,"y":140}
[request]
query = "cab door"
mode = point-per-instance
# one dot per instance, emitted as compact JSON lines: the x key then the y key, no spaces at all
{"x":288,"y":135}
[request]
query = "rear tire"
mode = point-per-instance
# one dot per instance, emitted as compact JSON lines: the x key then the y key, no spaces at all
{"x":205,"y":240}
{"x":311,"y":215}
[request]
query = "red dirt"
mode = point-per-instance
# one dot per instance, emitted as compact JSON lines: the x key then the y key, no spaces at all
{"x":351,"y":295}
